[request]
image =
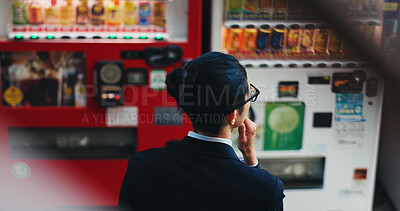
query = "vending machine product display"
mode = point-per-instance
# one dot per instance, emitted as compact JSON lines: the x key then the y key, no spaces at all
{"x":318,"y":114}
{"x":84,"y":19}
{"x":82,"y":89}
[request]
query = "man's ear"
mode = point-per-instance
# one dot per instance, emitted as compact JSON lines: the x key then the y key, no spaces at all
{"x":232,"y":117}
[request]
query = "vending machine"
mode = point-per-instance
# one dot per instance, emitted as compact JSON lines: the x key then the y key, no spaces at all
{"x":82,"y":90}
{"x":318,"y":114}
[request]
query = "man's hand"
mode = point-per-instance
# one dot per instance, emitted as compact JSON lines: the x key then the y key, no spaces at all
{"x":246,"y":141}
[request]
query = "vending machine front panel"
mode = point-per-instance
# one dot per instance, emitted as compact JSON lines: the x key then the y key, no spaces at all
{"x":61,"y":146}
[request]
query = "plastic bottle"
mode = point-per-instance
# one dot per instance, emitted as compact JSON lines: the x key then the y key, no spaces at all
{"x":130,"y":13}
{"x":113,"y":13}
{"x":159,"y":13}
{"x":51,"y":13}
{"x":35,"y":12}
{"x":67,"y":87}
{"x":98,"y":17}
{"x":67,"y":16}
{"x":80,"y":92}
{"x":82,"y":13}
{"x":19,"y":13}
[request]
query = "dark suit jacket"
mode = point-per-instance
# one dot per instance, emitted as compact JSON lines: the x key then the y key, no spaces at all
{"x":197,"y":175}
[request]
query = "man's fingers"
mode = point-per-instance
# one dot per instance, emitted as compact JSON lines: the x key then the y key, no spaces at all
{"x":242,"y":130}
{"x":250,"y":125}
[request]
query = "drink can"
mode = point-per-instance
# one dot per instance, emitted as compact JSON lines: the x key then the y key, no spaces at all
{"x":307,"y":39}
{"x":234,"y":38}
{"x":278,"y":38}
{"x":293,"y":39}
{"x":322,"y":39}
{"x":263,"y":37}
{"x":249,"y":38}
{"x":335,"y":43}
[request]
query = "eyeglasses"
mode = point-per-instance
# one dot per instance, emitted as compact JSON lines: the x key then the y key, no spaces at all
{"x":254,"y":92}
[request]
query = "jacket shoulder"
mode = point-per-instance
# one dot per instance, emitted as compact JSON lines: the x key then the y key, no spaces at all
{"x":149,"y":156}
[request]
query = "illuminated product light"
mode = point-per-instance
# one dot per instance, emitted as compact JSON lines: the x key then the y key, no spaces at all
{"x":117,"y":97}
{"x":158,"y":36}
{"x":104,"y":96}
{"x":50,"y":36}
{"x":18,"y":36}
{"x":34,"y":36}
{"x":143,"y":36}
{"x":112,"y":36}
{"x":128,"y":36}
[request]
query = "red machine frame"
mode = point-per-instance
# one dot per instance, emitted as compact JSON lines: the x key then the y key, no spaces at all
{"x":86,"y":183}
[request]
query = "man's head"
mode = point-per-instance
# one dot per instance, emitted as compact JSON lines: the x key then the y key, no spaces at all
{"x":211,"y":90}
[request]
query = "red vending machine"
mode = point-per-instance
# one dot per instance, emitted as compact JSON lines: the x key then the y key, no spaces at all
{"x":82,"y":89}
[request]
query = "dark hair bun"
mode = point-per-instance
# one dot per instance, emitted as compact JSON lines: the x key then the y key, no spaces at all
{"x":177,"y":81}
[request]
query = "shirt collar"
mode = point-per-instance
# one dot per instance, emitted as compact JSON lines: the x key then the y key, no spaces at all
{"x":209,"y":138}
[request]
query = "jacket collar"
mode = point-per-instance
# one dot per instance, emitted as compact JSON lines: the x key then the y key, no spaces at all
{"x":212,"y":149}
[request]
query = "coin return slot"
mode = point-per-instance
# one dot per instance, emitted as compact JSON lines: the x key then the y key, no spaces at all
{"x":72,"y":143}
{"x":297,"y":173}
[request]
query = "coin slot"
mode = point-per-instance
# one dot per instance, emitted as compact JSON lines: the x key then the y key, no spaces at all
{"x":323,"y":120}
